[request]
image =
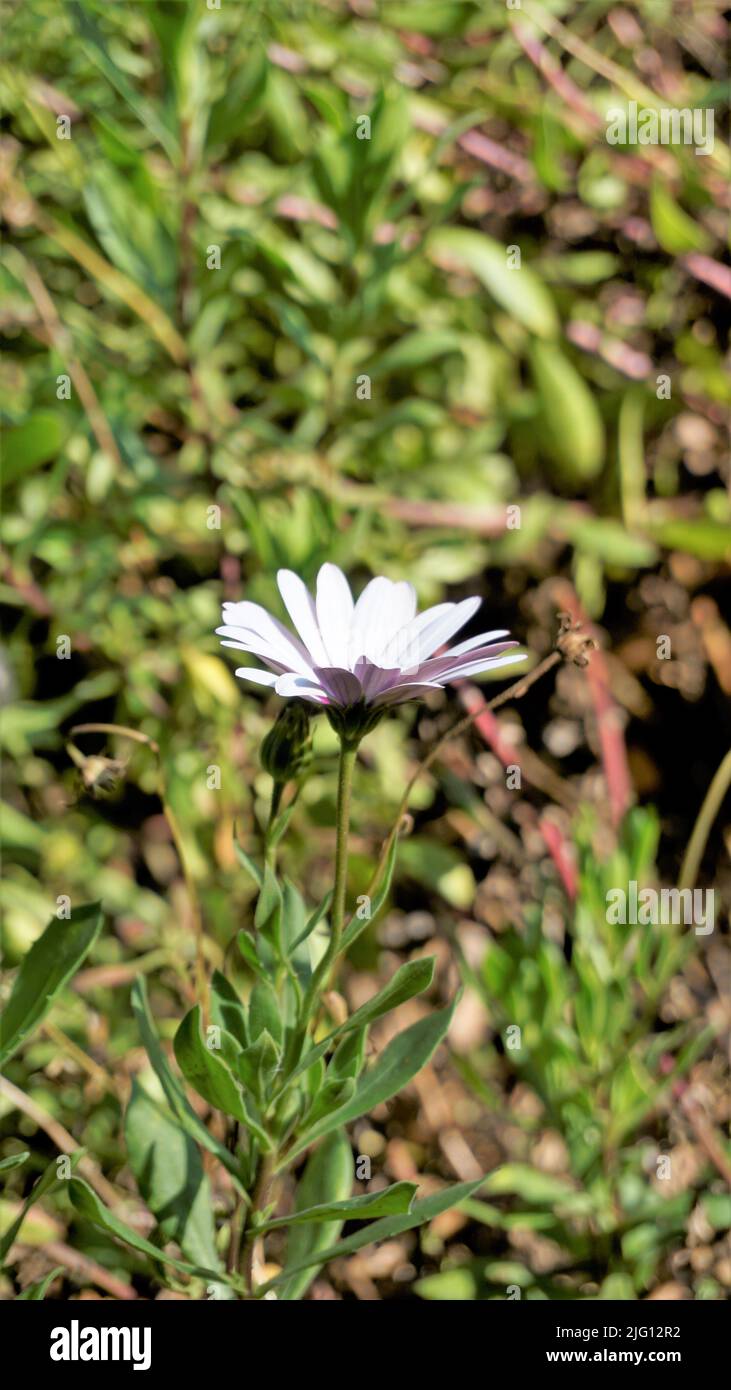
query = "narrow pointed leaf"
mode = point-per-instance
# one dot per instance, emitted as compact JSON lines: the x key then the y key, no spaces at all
{"x":395,"y":1200}
{"x":408,"y":980}
{"x":50,"y":962}
{"x":421,"y":1212}
{"x":313,"y":921}
{"x":171,"y":1084}
{"x":35,"y":1293}
{"x":14,"y":1161}
{"x":357,"y":924}
{"x":404,"y":1056}
{"x":88,"y":1205}
{"x":247,"y":863}
{"x":209,"y":1076}
{"x":226,"y":1008}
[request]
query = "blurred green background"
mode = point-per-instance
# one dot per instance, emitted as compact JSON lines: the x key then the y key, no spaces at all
{"x":239,"y":336}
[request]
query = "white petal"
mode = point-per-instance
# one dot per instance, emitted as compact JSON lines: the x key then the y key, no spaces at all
{"x":408,"y":646}
{"x":409,"y":690}
{"x":436,"y":666}
{"x":301,"y":608}
{"x":383,"y":609}
{"x":255,"y":619}
{"x":292,"y":684}
{"x":399,"y":616}
{"x":276,"y":657}
{"x":435,"y":627}
{"x":481,"y":641}
{"x":474,"y":669}
{"x":366,"y":632}
{"x":334,"y":614}
{"x":252,"y":673}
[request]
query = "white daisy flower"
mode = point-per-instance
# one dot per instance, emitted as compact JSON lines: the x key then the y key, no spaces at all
{"x":369,"y":654}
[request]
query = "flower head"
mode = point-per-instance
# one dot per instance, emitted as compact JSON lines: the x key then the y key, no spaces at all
{"x":363,"y":655}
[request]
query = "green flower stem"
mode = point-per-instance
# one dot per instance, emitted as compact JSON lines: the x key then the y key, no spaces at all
{"x":702,"y":828}
{"x":348,"y":754}
{"x":270,"y":850}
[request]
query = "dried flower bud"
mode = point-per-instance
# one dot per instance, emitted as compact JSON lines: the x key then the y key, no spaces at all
{"x":572,"y":642}
{"x":285,"y":751}
{"x":100,"y":775}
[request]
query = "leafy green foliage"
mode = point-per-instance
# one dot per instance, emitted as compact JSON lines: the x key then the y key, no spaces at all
{"x":283,"y":344}
{"x":327,"y":1178}
{"x":575,"y":1030}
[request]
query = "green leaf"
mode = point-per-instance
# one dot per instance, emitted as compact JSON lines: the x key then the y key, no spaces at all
{"x":48,"y":1180}
{"x":35,"y":1293}
{"x":404,"y":1056}
{"x":171,"y":1085}
{"x":408,"y":980}
{"x":249,"y":952}
{"x":606,"y":539}
{"x":247,"y":863}
{"x":534,"y":1186}
{"x":131,"y":232}
{"x":717,"y":1209}
{"x":574,"y":433}
{"x":36,"y":441}
{"x":312,"y":921}
{"x":210,"y":1077}
{"x":388,"y":1226}
{"x":88,"y":1205}
{"x":414,"y":350}
{"x":95,"y":44}
{"x":449,"y":1285}
{"x":348,"y":1057}
{"x":50,"y":962}
{"x":269,"y":902}
{"x":393,"y":1201}
{"x":519,"y":290}
{"x":169,"y":1173}
{"x":328,"y":1177}
{"x":227,"y":1011}
{"x":704,"y":537}
{"x":264,"y":1013}
{"x":358,"y":925}
{"x":14,"y":1161}
{"x":676,"y":232}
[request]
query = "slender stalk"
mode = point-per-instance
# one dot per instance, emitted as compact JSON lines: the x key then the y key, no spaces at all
{"x":702,"y":828}
{"x":270,"y":850}
{"x":348,"y":755}
{"x":259,"y":1200}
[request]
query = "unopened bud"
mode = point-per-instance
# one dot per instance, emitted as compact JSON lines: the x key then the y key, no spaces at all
{"x":286,"y":748}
